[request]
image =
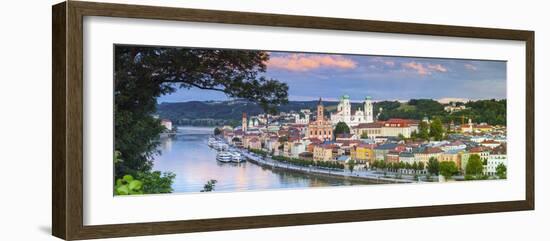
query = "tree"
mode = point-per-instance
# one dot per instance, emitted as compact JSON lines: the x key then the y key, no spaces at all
{"x":414,"y":135}
{"x":501,"y":171}
{"x":401,"y":166}
{"x":209,"y":186}
{"x":436,"y":129}
{"x":448,"y":169}
{"x":144,"y":73}
{"x":408,"y":166}
{"x":156,"y":181}
{"x":351,"y":165}
{"x":421,"y":166}
{"x":127,"y":185}
{"x":401,"y":136}
{"x":341,"y":128}
{"x":474,"y":166}
{"x":433,"y":166}
{"x":380,"y":164}
{"x":423,"y":131}
{"x":364,"y":135}
{"x":414,"y":166}
{"x":217,"y":131}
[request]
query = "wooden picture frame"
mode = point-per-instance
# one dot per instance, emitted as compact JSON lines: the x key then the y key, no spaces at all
{"x":67,"y":125}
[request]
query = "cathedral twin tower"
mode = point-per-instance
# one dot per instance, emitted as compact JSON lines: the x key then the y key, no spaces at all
{"x":345,"y":114}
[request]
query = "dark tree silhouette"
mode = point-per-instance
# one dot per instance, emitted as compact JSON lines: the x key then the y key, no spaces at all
{"x":341,"y":128}
{"x":144,"y":73}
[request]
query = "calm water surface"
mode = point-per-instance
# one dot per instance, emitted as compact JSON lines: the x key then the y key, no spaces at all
{"x":194,"y":163}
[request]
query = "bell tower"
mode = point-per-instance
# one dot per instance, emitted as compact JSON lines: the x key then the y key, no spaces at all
{"x":368,"y":110}
{"x":320,"y":110}
{"x":244,"y":122}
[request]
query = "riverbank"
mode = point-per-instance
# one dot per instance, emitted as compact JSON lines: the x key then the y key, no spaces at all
{"x":357,"y":175}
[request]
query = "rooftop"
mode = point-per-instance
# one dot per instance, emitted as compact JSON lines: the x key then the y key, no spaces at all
{"x":386,"y":146}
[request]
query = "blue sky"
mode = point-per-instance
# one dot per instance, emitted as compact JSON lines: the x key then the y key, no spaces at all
{"x":310,"y":76}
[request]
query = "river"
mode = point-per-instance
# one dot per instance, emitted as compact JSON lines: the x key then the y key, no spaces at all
{"x":194,"y":163}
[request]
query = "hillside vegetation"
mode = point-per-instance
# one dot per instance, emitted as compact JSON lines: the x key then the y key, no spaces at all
{"x":211,"y":113}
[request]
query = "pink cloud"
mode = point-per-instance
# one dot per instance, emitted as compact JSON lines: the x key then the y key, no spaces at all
{"x":437,"y":67}
{"x":418,"y":67}
{"x":424,"y":70}
{"x":302,"y":62}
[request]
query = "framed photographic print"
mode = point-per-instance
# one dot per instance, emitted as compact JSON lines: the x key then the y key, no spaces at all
{"x":171,"y":120}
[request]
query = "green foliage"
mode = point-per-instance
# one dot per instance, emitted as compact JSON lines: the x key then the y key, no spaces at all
{"x":307,"y":163}
{"x":379,"y":164}
{"x":421,"y":166}
{"x":415,"y":109}
{"x":127,"y":185}
{"x":401,"y":136}
{"x":156,"y":182}
{"x":448,"y":169}
{"x":436,"y":129}
{"x":491,"y":111}
{"x":136,"y":137}
{"x":116,"y":157}
{"x":474,"y":166}
{"x":414,"y":166}
{"x":364,"y":135}
{"x":423,"y":131}
{"x":433,"y":166}
{"x":206,"y":113}
{"x":209,"y":186}
{"x":144,"y":73}
{"x":341,"y":128}
{"x":259,"y":152}
{"x":501,"y":171}
{"x":351,"y":165}
{"x":219,"y":113}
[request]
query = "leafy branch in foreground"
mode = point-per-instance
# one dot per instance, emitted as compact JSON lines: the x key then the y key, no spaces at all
{"x":142,"y":74}
{"x":128,"y":186}
{"x":209,"y":186}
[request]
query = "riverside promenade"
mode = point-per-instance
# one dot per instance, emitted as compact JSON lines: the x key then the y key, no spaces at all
{"x":365,"y":175}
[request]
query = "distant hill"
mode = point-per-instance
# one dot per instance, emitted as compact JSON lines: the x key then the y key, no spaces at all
{"x":209,"y":113}
{"x":212,"y":113}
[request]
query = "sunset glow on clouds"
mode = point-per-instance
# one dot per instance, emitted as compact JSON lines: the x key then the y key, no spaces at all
{"x":424,"y":69}
{"x":305,"y":62}
{"x":313,"y":75}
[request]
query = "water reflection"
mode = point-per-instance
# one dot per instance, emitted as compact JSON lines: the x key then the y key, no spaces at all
{"x":194,"y":163}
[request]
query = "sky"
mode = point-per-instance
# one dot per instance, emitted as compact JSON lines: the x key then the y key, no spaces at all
{"x":310,"y":76}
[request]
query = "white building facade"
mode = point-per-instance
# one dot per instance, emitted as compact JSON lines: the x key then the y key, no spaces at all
{"x":344,"y":113}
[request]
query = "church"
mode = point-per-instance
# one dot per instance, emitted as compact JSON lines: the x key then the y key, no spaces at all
{"x":345,"y":114}
{"x":320,"y":128}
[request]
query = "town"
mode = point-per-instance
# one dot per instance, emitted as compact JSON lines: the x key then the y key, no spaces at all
{"x":358,"y":144}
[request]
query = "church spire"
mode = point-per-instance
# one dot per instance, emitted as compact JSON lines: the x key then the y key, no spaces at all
{"x":320,"y":110}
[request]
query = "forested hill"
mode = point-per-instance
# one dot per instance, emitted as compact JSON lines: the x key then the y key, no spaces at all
{"x":491,"y":111}
{"x":222,"y":112}
{"x":210,"y":113}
